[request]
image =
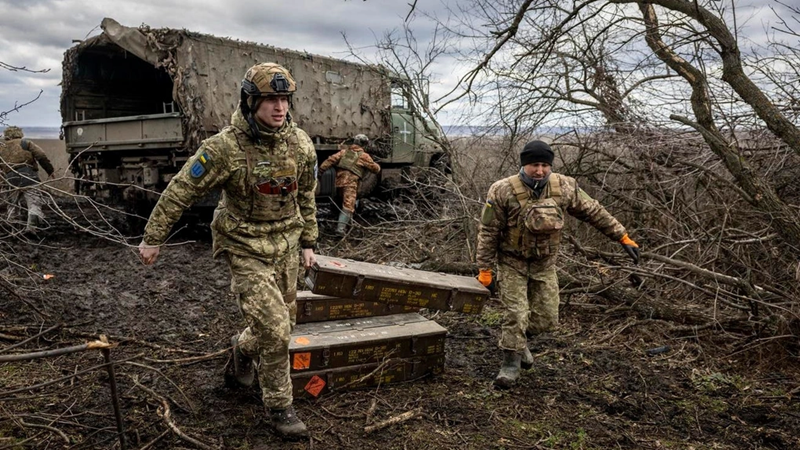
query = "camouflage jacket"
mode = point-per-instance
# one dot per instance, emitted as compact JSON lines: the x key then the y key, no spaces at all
{"x":18,"y":154}
{"x":267,"y":206}
{"x":345,"y":177}
{"x":505,"y":232}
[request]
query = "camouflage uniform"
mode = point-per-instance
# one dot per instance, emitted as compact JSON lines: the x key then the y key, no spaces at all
{"x":524,"y":242}
{"x":266,"y":214}
{"x":20,"y":159}
{"x":350,"y":163}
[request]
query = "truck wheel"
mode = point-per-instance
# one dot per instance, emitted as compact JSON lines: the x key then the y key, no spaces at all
{"x":441,"y":162}
{"x":368,"y":184}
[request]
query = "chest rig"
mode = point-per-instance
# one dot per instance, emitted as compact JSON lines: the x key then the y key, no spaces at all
{"x":349,"y":162}
{"x":267,"y":190}
{"x":534,"y":230}
{"x":18,"y":163}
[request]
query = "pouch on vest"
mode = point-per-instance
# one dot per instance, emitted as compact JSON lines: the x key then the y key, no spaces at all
{"x":349,"y":161}
{"x":544,"y":216}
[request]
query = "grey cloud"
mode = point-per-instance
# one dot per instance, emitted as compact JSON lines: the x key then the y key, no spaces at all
{"x":37,"y":32}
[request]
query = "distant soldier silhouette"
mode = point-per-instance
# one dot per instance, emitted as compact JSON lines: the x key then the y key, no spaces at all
{"x":20,"y":159}
{"x":351,"y":162}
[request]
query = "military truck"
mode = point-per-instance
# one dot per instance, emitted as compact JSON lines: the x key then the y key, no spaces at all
{"x":137,"y":102}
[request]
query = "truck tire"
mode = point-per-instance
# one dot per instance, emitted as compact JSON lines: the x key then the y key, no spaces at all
{"x":326,"y":184}
{"x":367,"y":185}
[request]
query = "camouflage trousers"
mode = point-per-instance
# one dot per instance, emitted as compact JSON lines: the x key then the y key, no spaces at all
{"x":33,"y":199}
{"x":266,"y":295}
{"x":530,"y":302}
{"x":349,"y":193}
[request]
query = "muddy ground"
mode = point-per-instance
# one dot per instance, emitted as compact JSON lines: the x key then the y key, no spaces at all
{"x":593,"y":385}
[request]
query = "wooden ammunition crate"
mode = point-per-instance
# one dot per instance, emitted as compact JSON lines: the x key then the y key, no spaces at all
{"x":341,"y":343}
{"x":344,"y":278}
{"x":313,"y":384}
{"x":319,"y":308}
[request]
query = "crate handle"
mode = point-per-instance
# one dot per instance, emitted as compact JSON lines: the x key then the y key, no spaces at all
{"x":359,"y":285}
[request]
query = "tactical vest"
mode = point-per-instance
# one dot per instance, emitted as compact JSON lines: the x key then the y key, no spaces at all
{"x":19,"y":165}
{"x":349,"y":162}
{"x":537,"y":231}
{"x":270,"y":183}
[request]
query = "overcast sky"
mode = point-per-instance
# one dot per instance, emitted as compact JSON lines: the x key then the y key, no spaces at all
{"x":35,"y":34}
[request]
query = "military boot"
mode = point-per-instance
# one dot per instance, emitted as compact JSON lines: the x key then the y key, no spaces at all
{"x":509,"y":371}
{"x":32,"y":225}
{"x":344,"y":219}
{"x":287,"y":424}
{"x":526,"y":359}
{"x":243,"y":370}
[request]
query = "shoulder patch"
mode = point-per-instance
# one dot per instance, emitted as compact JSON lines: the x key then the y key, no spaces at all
{"x":200,"y":166}
{"x":487,"y":216}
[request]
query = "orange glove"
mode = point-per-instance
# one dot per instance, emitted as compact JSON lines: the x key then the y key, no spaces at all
{"x":631,"y":247}
{"x":485,"y":277}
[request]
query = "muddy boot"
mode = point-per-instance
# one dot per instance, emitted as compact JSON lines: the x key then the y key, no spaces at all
{"x":243,"y":370}
{"x":344,"y":219}
{"x":287,"y":424}
{"x":526,"y":359}
{"x":509,"y":371}
{"x":32,"y":226}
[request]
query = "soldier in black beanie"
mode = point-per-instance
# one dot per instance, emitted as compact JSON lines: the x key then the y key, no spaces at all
{"x":520,"y":233}
{"x":536,"y":151}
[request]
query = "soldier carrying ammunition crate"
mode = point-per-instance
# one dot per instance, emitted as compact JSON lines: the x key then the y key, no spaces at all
{"x":520,"y":231}
{"x":264,"y":165}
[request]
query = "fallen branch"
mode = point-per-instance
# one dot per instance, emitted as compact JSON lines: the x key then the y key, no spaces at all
{"x":191,"y":360}
{"x":44,"y":427}
{"x":154,"y":441}
{"x":165,"y":414}
{"x":400,"y":418}
{"x":189,"y":402}
{"x":380,"y":368}
{"x":371,"y":411}
{"x":94,"y":345}
{"x":58,"y":380}
{"x":19,"y":344}
{"x":125,"y":340}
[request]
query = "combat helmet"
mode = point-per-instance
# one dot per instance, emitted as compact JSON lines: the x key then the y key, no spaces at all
{"x":12,"y":132}
{"x":264,"y":80}
{"x":361,"y":140}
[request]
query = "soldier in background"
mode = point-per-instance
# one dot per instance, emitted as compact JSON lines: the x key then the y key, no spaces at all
{"x":264,"y":165}
{"x":351,"y":163}
{"x":520,"y":231}
{"x":20,"y":159}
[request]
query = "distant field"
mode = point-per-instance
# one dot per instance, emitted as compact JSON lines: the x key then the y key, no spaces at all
{"x":57,"y":153}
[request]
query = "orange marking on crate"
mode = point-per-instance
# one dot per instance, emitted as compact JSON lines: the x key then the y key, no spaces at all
{"x":315,"y":385}
{"x":301,"y":361}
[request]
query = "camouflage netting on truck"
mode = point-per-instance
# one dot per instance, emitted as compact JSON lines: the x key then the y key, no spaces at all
{"x":335,"y":99}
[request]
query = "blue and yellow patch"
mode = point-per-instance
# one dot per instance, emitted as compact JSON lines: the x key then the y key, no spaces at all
{"x":487,"y":215}
{"x":200,"y":166}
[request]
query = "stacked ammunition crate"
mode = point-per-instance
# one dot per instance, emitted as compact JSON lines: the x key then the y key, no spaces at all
{"x":358,"y":325}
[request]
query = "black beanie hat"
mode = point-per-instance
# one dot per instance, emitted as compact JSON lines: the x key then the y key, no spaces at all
{"x":536,"y":151}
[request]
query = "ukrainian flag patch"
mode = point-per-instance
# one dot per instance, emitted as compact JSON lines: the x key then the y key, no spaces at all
{"x":200,"y":166}
{"x":487,"y":216}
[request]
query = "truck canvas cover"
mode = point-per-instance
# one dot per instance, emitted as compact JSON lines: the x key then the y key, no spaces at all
{"x":129,"y":72}
{"x":396,"y":286}
{"x":319,"y":308}
{"x":342,"y":343}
